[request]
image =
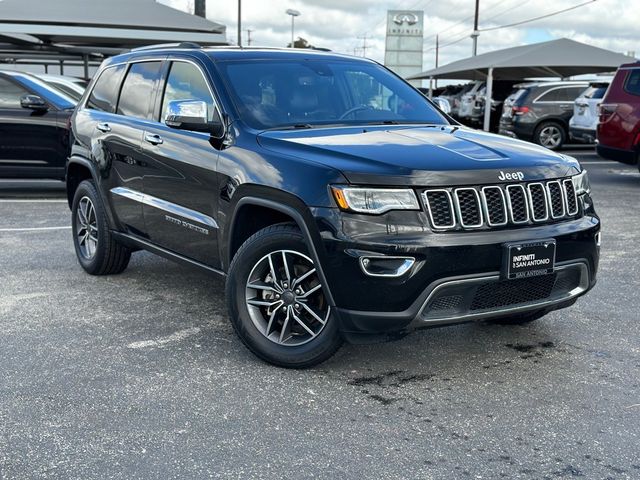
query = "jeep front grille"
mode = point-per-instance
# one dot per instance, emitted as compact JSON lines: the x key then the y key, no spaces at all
{"x":500,"y":205}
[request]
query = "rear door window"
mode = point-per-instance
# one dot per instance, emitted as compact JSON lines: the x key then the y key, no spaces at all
{"x":10,"y":94}
{"x":632,"y":85}
{"x":105,"y":91}
{"x":569,"y":94}
{"x":137,"y":89}
{"x":552,"y":95}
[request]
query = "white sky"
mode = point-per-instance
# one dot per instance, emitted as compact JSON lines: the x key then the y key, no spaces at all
{"x":337,"y":24}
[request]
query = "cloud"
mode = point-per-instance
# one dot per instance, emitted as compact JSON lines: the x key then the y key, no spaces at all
{"x":341,"y":24}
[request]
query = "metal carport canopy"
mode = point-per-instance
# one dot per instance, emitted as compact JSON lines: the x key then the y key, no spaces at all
{"x":39,"y":31}
{"x":556,"y":58}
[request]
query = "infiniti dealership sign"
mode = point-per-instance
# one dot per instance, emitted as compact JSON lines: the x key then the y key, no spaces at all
{"x":403,"y":46}
{"x":409,"y":18}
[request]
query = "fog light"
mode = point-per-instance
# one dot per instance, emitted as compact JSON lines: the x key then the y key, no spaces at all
{"x":385,"y":266}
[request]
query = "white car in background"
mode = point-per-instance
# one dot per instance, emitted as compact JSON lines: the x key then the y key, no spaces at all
{"x":582,"y":126}
{"x":72,"y":86}
{"x":468,"y":100}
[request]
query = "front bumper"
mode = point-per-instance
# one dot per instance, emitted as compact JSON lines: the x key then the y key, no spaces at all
{"x":443,"y":262}
{"x":586,"y":135}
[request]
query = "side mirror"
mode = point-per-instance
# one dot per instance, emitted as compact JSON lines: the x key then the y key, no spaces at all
{"x":192,"y":115}
{"x":33,"y":102}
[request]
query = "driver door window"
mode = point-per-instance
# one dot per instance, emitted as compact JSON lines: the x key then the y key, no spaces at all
{"x":185,"y":82}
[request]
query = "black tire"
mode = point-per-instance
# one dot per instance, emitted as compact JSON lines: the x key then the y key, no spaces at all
{"x":108,"y":256}
{"x":272,"y":241}
{"x":518,"y":319}
{"x":541,"y":131}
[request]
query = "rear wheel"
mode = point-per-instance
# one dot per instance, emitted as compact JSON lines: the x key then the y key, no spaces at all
{"x":551,"y":135}
{"x":277,"y":302}
{"x":96,"y":249}
{"x":518,"y":319}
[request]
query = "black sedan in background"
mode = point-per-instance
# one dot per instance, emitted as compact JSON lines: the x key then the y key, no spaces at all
{"x":34,"y":129}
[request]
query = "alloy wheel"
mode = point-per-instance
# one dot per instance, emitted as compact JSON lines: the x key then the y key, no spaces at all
{"x":285,"y":299}
{"x":87,"y":228}
{"x":550,"y":137}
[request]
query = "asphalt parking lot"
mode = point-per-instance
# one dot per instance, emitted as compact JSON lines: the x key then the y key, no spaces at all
{"x":140,"y":375}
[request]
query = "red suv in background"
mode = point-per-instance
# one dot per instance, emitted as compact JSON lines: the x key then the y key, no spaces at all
{"x":619,"y":124}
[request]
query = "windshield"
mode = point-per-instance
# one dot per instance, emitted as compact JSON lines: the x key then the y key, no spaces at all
{"x":288,"y":93}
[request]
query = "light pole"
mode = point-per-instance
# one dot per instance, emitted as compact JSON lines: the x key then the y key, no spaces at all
{"x":475,"y":33}
{"x":294,"y":14}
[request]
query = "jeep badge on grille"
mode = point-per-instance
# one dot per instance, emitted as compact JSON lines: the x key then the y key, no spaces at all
{"x":510,"y":176}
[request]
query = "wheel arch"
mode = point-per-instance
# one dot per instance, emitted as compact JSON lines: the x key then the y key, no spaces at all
{"x":79,"y":169}
{"x":281,"y":211}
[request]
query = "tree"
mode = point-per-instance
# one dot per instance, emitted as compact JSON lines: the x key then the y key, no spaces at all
{"x":300,"y":43}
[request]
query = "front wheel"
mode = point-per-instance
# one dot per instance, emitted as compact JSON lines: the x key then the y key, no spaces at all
{"x":277,"y":302}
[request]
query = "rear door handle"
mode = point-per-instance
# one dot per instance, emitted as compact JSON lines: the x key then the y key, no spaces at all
{"x":153,"y":139}
{"x":103,"y":127}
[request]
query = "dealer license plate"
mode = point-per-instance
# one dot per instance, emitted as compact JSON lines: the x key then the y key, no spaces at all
{"x":529,"y":259}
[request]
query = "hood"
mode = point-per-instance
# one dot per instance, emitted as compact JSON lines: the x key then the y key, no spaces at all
{"x":425,"y":155}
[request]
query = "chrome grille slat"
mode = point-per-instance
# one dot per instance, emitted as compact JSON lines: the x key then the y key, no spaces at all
{"x":518,"y":204}
{"x":492,"y":206}
{"x":440,"y":208}
{"x":538,"y":202}
{"x":468,"y":207}
{"x":556,"y":199}
{"x":570,"y":197}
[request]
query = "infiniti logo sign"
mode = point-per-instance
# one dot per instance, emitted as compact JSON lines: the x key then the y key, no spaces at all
{"x":409,"y":18}
{"x":510,"y":176}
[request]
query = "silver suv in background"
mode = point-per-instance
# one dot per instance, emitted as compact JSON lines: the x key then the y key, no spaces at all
{"x":582,"y":125}
{"x":468,"y":100}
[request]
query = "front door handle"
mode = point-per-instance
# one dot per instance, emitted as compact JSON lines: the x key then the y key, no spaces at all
{"x":103,"y":127}
{"x":153,"y":138}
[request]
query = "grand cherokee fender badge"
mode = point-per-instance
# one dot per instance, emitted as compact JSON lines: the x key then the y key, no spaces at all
{"x":185,"y":224}
{"x":510,"y":176}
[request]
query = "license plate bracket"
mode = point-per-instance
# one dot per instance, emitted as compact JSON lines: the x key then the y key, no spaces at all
{"x":529,"y":259}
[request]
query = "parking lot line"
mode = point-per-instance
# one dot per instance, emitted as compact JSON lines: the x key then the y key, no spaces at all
{"x":34,"y":200}
{"x":33,"y":229}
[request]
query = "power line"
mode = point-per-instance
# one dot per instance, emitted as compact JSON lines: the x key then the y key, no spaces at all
{"x":537,"y":18}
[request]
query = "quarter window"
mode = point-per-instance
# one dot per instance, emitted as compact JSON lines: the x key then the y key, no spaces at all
{"x":10,"y":94}
{"x":105,"y":92}
{"x":137,"y":89}
{"x":632,"y":85}
{"x":185,"y":82}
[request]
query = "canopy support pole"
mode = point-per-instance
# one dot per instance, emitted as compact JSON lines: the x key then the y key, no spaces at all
{"x":430,"y":88}
{"x":61,"y":67}
{"x":85,"y":59}
{"x":487,"y":102}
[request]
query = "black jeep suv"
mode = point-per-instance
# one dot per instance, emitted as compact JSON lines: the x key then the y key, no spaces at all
{"x":337,"y":201}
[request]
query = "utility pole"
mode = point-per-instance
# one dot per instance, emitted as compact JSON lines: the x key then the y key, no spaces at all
{"x":200,"y":8}
{"x":249,"y":36}
{"x":364,"y":45}
{"x":239,"y":23}
{"x":437,"y":55}
{"x":475,"y":33}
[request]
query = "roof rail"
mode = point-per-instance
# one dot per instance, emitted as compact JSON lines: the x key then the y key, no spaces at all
{"x":167,"y":45}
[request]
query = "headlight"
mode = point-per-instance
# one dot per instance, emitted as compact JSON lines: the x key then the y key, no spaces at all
{"x":581,"y":183}
{"x":374,"y":200}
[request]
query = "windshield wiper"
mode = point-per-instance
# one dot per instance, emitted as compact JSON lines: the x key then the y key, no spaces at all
{"x":297,"y":126}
